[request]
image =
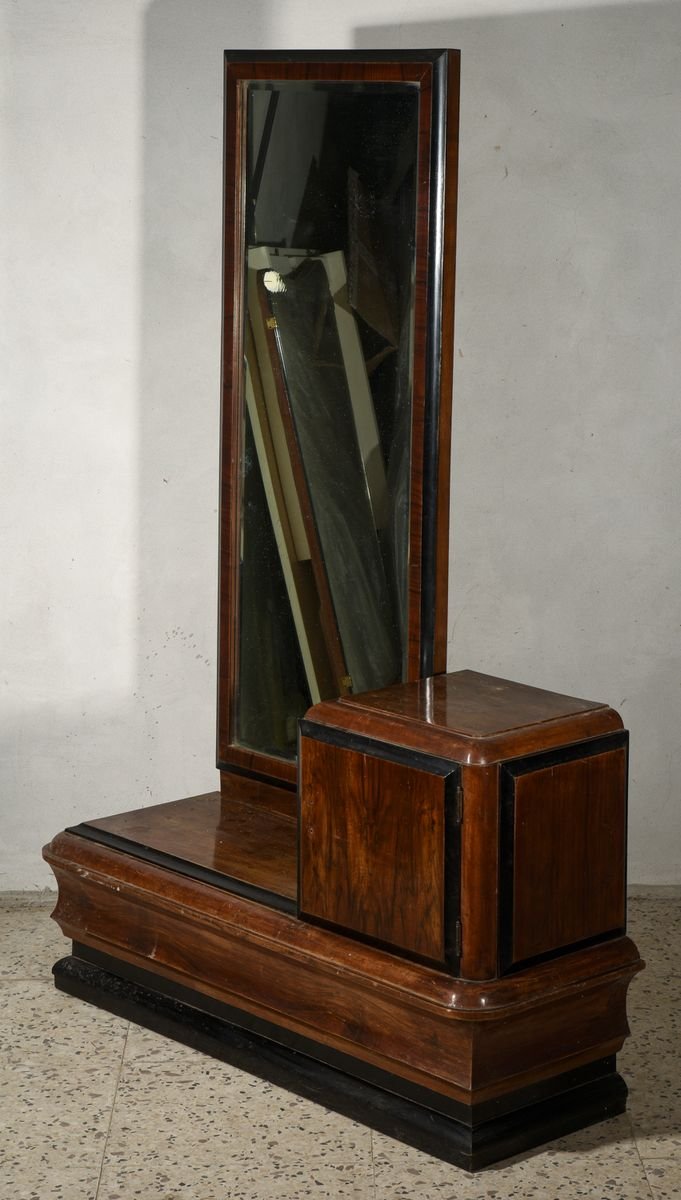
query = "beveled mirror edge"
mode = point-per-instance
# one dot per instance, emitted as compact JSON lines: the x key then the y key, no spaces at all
{"x":437,"y":71}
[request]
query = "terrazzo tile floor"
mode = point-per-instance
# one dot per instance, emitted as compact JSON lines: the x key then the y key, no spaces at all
{"x":93,"y":1108}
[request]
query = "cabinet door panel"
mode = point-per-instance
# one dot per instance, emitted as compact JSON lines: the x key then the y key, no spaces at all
{"x":379,"y":847}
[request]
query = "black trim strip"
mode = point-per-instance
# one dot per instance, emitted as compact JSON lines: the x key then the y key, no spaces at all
{"x":564,"y":754}
{"x":366,"y":939}
{"x":259,"y":776}
{"x":358,"y":742}
{"x":510,"y":771}
{"x":159,"y":858}
{"x":537,"y":959}
{"x":334,"y":56}
{"x":452,"y":865}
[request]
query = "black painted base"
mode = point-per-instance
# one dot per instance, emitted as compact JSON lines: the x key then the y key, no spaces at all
{"x":468,"y":1137}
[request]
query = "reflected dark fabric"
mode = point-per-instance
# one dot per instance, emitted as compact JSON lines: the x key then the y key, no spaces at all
{"x":321,"y":408}
{"x":272,"y":689}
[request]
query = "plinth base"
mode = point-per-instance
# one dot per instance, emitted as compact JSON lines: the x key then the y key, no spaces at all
{"x":527,"y":1118}
{"x":470,"y":1072}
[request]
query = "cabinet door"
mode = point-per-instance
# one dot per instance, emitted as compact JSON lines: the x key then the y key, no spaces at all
{"x":379,"y":843}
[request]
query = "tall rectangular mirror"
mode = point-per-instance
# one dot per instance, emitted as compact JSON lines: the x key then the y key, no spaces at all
{"x":339,"y":213}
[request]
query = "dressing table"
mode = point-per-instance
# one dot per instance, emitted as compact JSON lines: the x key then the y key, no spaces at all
{"x":406,"y":899}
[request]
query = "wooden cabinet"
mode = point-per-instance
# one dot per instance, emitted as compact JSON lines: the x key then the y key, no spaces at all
{"x":465,"y":794}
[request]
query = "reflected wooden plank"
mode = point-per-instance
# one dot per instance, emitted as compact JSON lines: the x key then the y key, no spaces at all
{"x":329,"y":473}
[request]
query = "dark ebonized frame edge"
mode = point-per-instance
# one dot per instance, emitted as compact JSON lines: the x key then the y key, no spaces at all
{"x":508,"y":773}
{"x":337,"y":56}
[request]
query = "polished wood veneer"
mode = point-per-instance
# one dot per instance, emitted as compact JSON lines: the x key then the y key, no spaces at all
{"x":472,"y":717}
{"x":406,"y":1017}
{"x":226,"y":836}
{"x":564,"y":835}
{"x":496,"y":838}
{"x":374,"y":837}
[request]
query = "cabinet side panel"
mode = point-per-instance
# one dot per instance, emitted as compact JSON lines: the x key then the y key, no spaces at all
{"x":566,"y":830}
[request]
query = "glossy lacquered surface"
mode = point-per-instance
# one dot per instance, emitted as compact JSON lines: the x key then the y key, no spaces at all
{"x":472,"y":704}
{"x":467,"y":1137}
{"x":238,"y":839}
{"x":442,"y":859}
{"x":470,"y":717}
{"x":564,"y":853}
{"x":374,"y":837}
{"x":540,"y":837}
{"x":168,"y":1111}
{"x":475,"y":1041}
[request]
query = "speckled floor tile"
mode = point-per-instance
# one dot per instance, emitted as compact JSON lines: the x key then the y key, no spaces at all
{"x":147,"y":1048}
{"x":53,"y":1128}
{"x":61,"y":1061}
{"x":649,"y":1060}
{"x":664,"y":1177}
{"x":184,"y":1125}
{"x":30,"y":942}
{"x":655,"y":1110}
{"x":655,"y":926}
{"x":654,"y":1010}
{"x":38,"y":1022}
{"x":598,"y":1162}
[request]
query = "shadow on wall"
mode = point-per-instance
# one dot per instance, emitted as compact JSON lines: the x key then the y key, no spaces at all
{"x":180,"y":373}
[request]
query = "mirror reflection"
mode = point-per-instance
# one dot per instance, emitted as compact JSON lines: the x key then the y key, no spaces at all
{"x":330,"y":234}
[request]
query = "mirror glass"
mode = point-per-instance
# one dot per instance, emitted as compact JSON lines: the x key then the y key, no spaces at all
{"x":331,"y":174}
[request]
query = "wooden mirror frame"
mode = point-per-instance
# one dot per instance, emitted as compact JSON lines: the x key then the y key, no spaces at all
{"x":436,"y":72}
